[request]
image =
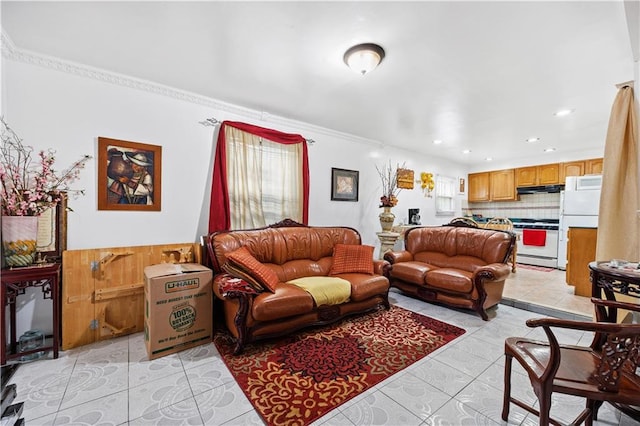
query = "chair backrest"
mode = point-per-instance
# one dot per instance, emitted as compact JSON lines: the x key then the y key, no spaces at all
{"x":501,"y":223}
{"x":464,"y":222}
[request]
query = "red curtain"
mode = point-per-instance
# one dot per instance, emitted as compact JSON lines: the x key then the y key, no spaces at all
{"x":219,"y":215}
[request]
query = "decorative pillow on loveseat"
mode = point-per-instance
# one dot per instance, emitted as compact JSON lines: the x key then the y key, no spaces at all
{"x":241,"y":260}
{"x":352,"y":258}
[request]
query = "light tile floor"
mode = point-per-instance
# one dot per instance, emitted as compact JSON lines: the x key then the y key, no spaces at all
{"x":545,"y":293}
{"x":113,"y":383}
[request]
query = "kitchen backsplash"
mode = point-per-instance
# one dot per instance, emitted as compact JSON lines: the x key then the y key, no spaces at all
{"x":530,"y":206}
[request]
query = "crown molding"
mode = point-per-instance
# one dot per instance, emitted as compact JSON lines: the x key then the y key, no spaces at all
{"x":13,"y":53}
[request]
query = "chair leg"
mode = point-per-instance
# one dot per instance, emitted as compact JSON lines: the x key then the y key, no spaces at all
{"x":596,"y":407}
{"x":507,"y":387}
{"x":593,"y":407}
{"x":544,"y":398}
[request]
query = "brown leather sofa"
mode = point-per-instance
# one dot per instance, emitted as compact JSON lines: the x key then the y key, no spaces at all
{"x":292,"y":251}
{"x":456,"y":266}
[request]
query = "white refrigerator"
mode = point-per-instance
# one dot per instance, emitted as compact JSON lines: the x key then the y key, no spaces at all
{"x":578,"y":208}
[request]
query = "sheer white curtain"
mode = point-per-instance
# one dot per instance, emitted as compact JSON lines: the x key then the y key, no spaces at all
{"x":264,"y":179}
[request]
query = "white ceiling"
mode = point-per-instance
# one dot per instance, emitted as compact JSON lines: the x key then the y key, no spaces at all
{"x":478,"y":75}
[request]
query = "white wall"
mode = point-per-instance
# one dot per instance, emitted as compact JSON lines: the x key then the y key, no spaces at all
{"x":66,"y":107}
{"x":67,"y":112}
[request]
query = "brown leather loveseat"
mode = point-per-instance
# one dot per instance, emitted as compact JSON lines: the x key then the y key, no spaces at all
{"x":292,"y":251}
{"x":456,"y":266}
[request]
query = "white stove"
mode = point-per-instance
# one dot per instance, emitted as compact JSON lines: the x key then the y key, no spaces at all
{"x":537,"y":241}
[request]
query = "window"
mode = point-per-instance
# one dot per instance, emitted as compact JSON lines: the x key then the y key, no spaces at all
{"x":260,"y":177}
{"x":265,"y":181}
{"x":445,"y":195}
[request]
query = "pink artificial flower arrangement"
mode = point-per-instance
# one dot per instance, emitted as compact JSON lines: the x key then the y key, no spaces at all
{"x":29,"y":188}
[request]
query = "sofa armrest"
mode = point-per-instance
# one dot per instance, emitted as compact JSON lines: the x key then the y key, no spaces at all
{"x":380,"y":266}
{"x":398,"y":256}
{"x":494,"y":271}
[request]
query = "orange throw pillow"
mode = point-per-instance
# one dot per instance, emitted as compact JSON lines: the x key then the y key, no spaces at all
{"x":244,"y":259}
{"x":238,"y":272}
{"x":352,"y":258}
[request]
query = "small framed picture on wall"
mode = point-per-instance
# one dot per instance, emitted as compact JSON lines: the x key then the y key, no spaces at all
{"x":344,"y":185}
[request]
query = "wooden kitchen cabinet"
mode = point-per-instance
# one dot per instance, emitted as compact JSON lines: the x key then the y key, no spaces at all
{"x":549,"y":174}
{"x":502,"y":185}
{"x":546,"y":174}
{"x":497,"y":185}
{"x":581,"y":250}
{"x":573,"y":168}
{"x":527,"y":176}
{"x":478,"y":187}
{"x":593,"y":166}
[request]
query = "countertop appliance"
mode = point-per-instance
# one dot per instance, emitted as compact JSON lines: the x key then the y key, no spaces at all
{"x":537,"y":241}
{"x":414,"y":216}
{"x":579,"y":208}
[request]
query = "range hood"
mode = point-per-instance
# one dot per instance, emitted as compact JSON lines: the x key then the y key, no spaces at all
{"x":539,"y":189}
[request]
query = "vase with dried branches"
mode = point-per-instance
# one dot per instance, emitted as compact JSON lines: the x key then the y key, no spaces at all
{"x":389,"y":177}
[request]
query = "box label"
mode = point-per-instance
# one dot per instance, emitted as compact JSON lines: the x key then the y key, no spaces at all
{"x":181,"y":285}
{"x":182,"y":317}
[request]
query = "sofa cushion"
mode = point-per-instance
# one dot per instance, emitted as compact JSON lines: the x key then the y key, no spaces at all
{"x":411,"y":271}
{"x":243,"y":259}
{"x":286,"y":301}
{"x":352,"y":258}
{"x":364,"y":286}
{"x":452,"y":280}
{"x":325,"y":290}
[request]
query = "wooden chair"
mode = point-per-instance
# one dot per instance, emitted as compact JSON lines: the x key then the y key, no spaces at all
{"x":464,"y":222}
{"x":504,"y":224}
{"x":605,"y":371}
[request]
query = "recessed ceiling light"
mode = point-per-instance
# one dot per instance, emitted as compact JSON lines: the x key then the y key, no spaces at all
{"x":563,"y":112}
{"x":466,"y":151}
{"x":533,"y":139}
{"x":549,"y":149}
{"x":489,"y":159}
{"x":437,"y":141}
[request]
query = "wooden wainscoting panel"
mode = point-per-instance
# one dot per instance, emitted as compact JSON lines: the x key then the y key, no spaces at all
{"x":77,"y":298}
{"x":103,"y":289}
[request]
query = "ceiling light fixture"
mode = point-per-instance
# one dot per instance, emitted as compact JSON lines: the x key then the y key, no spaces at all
{"x":437,"y":142}
{"x":363,"y":58}
{"x":549,"y":149}
{"x":533,"y":139}
{"x":466,"y":151}
{"x":489,"y":159}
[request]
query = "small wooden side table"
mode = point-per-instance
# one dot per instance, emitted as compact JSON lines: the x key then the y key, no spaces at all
{"x":606,"y":283}
{"x":14,"y":282}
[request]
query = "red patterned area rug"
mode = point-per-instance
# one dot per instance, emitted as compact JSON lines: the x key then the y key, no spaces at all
{"x":534,"y":267}
{"x":297,"y":379}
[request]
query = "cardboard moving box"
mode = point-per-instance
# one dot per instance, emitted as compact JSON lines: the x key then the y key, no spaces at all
{"x":177,"y":301}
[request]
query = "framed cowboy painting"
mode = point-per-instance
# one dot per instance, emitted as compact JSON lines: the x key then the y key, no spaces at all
{"x":129,"y":175}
